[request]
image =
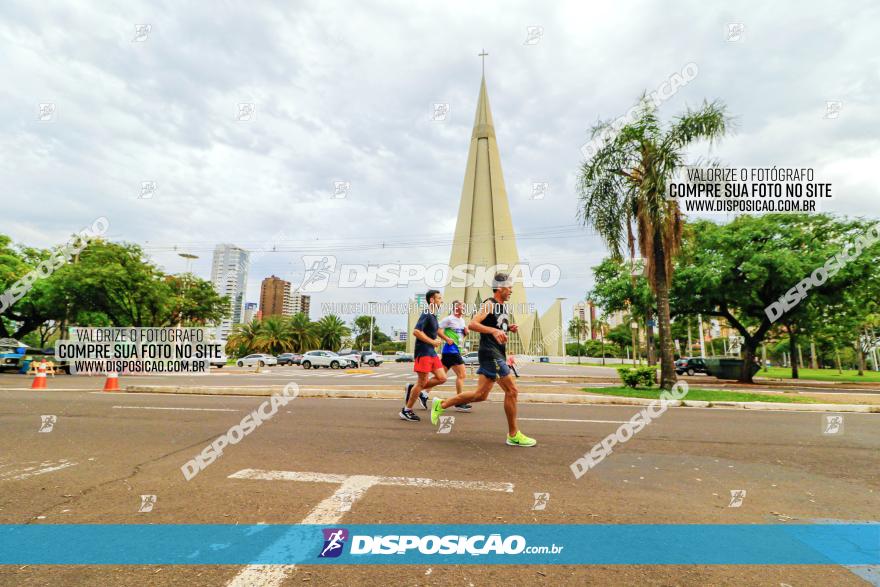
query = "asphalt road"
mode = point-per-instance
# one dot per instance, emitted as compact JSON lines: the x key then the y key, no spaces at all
{"x":106,"y":450}
{"x":535,"y":377}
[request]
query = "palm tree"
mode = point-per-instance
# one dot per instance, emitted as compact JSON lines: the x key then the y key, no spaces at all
{"x":330,"y":331}
{"x":275,"y":336}
{"x":302,"y":333}
{"x":577,"y":327}
{"x":244,"y":338}
{"x":602,"y":326}
{"x":622,"y":190}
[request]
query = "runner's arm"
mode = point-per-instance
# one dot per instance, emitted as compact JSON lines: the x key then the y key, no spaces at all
{"x":425,"y":338}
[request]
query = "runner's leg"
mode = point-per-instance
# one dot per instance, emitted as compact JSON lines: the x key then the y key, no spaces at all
{"x":425,"y":383}
{"x":423,"y":379}
{"x":508,"y":384}
{"x":460,"y":375}
{"x":484,"y":384}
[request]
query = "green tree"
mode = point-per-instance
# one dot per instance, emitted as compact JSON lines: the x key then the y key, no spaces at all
{"x":192,"y":302}
{"x":274,"y":336}
{"x":244,"y":338}
{"x":302,"y":332}
{"x":331,"y":330}
{"x":737,"y":270}
{"x":623,"y":196}
{"x":578,"y":328}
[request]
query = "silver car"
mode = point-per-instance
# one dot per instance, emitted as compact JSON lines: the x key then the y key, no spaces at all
{"x":257,"y":359}
{"x":471,"y":359}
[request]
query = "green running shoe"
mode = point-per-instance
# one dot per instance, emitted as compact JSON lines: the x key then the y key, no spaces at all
{"x":521,"y":439}
{"x":436,"y":410}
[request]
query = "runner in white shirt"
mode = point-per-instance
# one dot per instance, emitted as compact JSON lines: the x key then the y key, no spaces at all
{"x":455,"y":330}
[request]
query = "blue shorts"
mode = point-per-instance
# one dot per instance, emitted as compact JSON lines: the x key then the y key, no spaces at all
{"x":493,"y":368}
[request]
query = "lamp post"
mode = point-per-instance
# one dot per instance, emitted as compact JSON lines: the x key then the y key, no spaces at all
{"x":562,"y":330}
{"x":371,"y":325}
{"x":189,"y":259}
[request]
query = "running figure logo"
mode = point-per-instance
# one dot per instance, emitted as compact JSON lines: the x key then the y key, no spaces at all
{"x":317,"y":274}
{"x":47,"y":423}
{"x":736,"y":498}
{"x":446,"y":423}
{"x":147,"y":503}
{"x":334,"y":540}
{"x":833,"y":424}
{"x":541,"y":500}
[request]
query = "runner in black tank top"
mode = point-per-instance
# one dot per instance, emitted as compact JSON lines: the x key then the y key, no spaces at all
{"x":497,"y":318}
{"x":493,"y":324}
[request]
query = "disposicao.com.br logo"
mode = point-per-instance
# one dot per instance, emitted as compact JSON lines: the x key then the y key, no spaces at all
{"x":451,"y":544}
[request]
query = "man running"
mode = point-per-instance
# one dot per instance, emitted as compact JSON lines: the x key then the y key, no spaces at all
{"x":453,"y":328}
{"x":425,"y":359}
{"x":493,"y":324}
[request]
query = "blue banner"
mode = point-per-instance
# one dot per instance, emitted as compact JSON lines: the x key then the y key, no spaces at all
{"x":623,"y":544}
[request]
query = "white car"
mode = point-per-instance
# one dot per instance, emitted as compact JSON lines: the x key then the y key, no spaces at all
{"x":257,"y":359}
{"x":371,"y":358}
{"x":326,"y":359}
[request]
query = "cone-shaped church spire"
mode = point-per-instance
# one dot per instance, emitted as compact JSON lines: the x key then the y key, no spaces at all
{"x":484,"y":234}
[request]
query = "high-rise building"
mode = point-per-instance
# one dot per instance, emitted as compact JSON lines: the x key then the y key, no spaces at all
{"x":300,"y":303}
{"x":275,"y":297}
{"x":229,"y":271}
{"x":586,"y":311}
{"x":251,"y":311}
{"x":484,"y":236}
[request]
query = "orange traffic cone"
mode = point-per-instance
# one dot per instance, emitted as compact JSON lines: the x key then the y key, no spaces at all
{"x":112,"y":383}
{"x":40,"y":379}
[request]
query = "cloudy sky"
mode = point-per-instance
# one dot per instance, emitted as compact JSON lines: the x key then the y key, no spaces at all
{"x":344,"y":92}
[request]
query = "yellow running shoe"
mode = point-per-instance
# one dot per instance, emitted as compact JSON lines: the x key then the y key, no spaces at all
{"x":520,"y":439}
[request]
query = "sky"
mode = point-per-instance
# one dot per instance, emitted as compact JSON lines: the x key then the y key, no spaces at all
{"x":345,"y":92}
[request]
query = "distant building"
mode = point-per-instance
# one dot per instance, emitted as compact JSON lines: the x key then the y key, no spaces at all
{"x":300,"y":303}
{"x":399,"y":335}
{"x":229,"y":270}
{"x":251,"y":312}
{"x":586,"y":311}
{"x":615,"y":319}
{"x":275,"y":297}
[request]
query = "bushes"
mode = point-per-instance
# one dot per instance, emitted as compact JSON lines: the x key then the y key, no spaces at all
{"x":636,"y":376}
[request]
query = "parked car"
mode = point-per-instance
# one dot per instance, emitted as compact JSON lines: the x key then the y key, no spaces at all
{"x":257,"y":359}
{"x":327,"y":359}
{"x":371,"y":358}
{"x":471,"y":359}
{"x":351,"y":355}
{"x":289,"y":358}
{"x":690,"y":366}
{"x":403,"y":358}
{"x":220,"y":361}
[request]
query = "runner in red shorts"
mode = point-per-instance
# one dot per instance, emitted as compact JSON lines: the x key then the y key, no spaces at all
{"x":425,"y":356}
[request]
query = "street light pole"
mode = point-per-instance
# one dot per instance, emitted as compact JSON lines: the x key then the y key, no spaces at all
{"x":372,"y":321}
{"x":189,"y":259}
{"x":562,"y":330}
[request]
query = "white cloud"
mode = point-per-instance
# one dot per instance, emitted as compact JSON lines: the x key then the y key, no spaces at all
{"x":344,"y":91}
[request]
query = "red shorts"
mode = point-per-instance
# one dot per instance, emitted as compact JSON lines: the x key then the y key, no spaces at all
{"x":427,"y":364}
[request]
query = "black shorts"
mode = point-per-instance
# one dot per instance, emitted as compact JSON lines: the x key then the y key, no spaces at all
{"x":450,"y":360}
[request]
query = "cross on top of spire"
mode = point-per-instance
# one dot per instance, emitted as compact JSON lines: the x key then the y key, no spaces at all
{"x":483,"y":57}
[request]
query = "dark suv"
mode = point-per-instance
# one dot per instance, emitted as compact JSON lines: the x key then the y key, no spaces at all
{"x":690,"y":366}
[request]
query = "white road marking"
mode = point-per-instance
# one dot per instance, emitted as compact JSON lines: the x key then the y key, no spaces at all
{"x":183,"y":409}
{"x":569,"y":420}
{"x":20,"y":474}
{"x":351,"y":489}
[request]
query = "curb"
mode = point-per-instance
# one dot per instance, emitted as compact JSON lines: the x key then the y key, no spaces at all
{"x":550,"y":398}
